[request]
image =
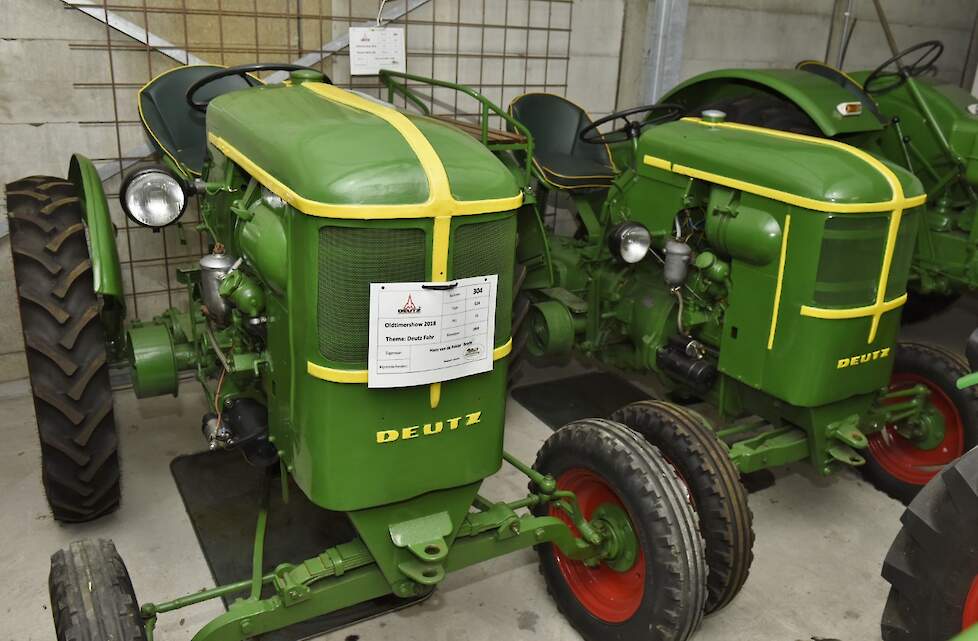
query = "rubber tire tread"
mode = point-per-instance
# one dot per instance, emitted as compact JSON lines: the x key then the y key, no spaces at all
{"x":65,"y":348}
{"x":92,"y":598}
{"x":934,"y":557}
{"x":944,"y":368}
{"x":688,"y":442}
{"x":667,"y":526}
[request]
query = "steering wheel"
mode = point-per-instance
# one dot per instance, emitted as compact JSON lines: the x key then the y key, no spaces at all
{"x":882,"y":81}
{"x":241,"y":70}
{"x":632,"y":128}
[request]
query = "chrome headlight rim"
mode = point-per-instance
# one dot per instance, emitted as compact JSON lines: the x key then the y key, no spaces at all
{"x":133,"y":181}
{"x":630,"y":242}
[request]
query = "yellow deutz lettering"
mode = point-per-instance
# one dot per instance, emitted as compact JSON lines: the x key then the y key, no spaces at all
{"x":428,"y":429}
{"x":859,"y":359}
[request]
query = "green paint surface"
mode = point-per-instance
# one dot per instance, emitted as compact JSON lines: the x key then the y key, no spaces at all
{"x":332,"y":153}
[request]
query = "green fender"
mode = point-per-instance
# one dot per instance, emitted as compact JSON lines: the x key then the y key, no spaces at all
{"x":813,"y":94}
{"x":106,"y":271}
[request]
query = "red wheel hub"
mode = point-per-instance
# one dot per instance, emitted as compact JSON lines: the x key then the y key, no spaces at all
{"x":607,"y":594}
{"x":970,"y":615}
{"x":901,"y":457}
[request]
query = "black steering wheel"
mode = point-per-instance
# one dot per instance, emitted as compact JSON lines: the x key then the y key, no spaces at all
{"x":882,"y":81}
{"x":242,"y":70}
{"x":632,"y":128}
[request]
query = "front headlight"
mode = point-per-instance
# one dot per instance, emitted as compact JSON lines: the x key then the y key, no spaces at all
{"x":630,"y":242}
{"x":153,"y":197}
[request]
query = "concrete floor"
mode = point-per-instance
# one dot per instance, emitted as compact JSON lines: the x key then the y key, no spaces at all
{"x":820,"y":541}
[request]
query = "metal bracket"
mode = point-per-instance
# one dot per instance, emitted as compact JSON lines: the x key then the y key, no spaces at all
{"x":847,"y":430}
{"x":423,"y":537}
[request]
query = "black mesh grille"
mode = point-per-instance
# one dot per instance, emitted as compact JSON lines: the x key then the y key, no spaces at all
{"x":350,"y":258}
{"x":850,"y":261}
{"x":485,"y":248}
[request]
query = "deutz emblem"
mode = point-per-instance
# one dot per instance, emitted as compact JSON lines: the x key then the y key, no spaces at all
{"x":409,"y":307}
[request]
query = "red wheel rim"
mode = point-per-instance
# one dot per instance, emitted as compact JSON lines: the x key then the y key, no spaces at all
{"x":607,"y":594}
{"x":970,"y":615}
{"x":901,"y":458}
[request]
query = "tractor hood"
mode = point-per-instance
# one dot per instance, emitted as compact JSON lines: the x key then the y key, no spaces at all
{"x":816,"y":173}
{"x":319,"y":146}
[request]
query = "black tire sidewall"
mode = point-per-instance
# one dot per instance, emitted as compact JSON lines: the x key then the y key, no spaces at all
{"x":627,"y":486}
{"x":682,"y":436}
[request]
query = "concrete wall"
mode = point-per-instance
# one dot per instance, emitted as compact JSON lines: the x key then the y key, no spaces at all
{"x":779,"y":33}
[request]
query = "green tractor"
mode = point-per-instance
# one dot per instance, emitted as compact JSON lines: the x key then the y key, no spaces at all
{"x":896,"y":113}
{"x":336,"y":222}
{"x":757,"y":271}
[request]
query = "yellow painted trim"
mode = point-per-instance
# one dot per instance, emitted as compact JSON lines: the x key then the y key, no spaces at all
{"x":851,"y":312}
{"x":440,"y":239}
{"x":503,"y":350}
{"x":335,"y":375}
{"x":777,"y":291}
{"x":898,"y":201}
{"x":434,"y":395}
{"x":658,"y":163}
{"x":549,"y":175}
{"x":440,"y":201}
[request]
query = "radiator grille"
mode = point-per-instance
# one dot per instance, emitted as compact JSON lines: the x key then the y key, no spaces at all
{"x":349,"y":260}
{"x":896,"y":285}
{"x":850,"y":261}
{"x":485,"y":248}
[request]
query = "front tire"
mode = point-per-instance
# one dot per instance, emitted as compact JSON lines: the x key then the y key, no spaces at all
{"x":91,"y":594}
{"x":704,"y":464}
{"x":65,"y":347}
{"x":660,"y":597}
{"x":932,"y":566}
{"x":894,"y":464}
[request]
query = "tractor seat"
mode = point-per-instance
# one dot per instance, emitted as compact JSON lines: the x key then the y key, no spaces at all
{"x":177,"y":129}
{"x":561,"y":159}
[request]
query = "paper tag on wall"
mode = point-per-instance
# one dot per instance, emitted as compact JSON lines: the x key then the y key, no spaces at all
{"x":376,"y":48}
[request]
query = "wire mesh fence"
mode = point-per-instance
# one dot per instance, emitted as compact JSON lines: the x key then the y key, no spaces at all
{"x":502,"y":48}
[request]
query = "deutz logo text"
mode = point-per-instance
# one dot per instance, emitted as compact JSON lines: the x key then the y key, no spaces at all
{"x":860,"y":359}
{"x":428,"y":429}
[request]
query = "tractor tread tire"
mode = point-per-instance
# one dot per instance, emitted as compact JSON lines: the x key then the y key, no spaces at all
{"x":92,"y":598}
{"x":648,"y":486}
{"x":943,"y":367}
{"x":703,"y":462}
{"x":933,"y":560}
{"x":65,"y":348}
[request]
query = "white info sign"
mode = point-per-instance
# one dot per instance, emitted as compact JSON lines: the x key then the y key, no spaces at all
{"x":376,"y":48}
{"x":424,"y":333}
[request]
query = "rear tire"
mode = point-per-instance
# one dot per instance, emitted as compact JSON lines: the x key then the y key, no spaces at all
{"x":65,"y":347}
{"x":932,"y":566}
{"x":893,"y":464}
{"x":703,"y":462}
{"x":91,"y":594}
{"x":661,"y":596}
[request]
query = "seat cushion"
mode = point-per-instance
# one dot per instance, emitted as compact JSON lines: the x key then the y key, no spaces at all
{"x":176,"y":129}
{"x":561,"y":159}
{"x":568,"y":171}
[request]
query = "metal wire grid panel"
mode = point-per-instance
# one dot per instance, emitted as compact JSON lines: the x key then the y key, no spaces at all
{"x":502,"y":48}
